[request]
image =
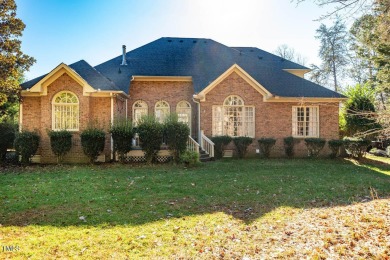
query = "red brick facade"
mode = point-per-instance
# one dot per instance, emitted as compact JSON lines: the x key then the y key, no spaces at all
{"x":170,"y":91}
{"x":37,"y":115}
{"x":272,"y":119}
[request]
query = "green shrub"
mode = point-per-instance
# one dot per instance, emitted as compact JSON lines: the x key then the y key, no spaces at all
{"x":356,"y":147}
{"x":334,"y":146}
{"x":7,"y":137}
{"x":61,"y":143}
{"x":93,"y":141}
{"x":176,"y":134}
{"x":122,"y":133}
{"x":265,"y":145}
{"x":219,"y":144}
{"x":150,"y":134}
{"x":289,"y":143}
{"x":190,"y":158}
{"x":242,"y":144}
{"x":26,"y":144}
{"x":358,"y":109}
{"x":314,"y":146}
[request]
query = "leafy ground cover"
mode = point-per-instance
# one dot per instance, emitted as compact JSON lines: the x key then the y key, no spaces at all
{"x":227,"y":209}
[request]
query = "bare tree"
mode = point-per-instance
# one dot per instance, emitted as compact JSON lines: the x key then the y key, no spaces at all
{"x":290,"y":54}
{"x":343,"y":8}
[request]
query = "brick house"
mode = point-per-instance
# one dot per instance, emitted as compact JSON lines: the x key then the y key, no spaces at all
{"x":215,"y":89}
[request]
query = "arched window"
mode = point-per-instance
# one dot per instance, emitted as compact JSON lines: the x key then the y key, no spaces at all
{"x":161,"y":110}
{"x":65,"y":111}
{"x":140,"y":108}
{"x":233,"y":118}
{"x":183,"y":110}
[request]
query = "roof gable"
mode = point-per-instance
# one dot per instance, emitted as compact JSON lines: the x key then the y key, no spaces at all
{"x":40,"y":86}
{"x":80,"y":71}
{"x":242,"y":73}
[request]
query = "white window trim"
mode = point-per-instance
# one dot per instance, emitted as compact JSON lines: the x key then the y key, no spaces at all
{"x":294,"y":117}
{"x":190,"y":110}
{"x":53,"y":105}
{"x":223,"y":106}
{"x":155,"y":109}
{"x":135,"y":108}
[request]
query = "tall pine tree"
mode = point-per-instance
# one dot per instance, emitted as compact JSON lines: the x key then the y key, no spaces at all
{"x":13,"y":62}
{"x":333,"y":51}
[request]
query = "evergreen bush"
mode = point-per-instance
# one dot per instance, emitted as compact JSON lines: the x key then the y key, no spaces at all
{"x":122,"y":133}
{"x":219,"y":144}
{"x":289,"y":143}
{"x":176,"y":134}
{"x":150,"y":134}
{"x":334,"y":146}
{"x":26,"y":144}
{"x":61,"y":143}
{"x":314,"y":146}
{"x":7,"y":137}
{"x":93,"y":141}
{"x":242,"y":144}
{"x":265,"y":145}
{"x":356,"y":147}
{"x":190,"y":158}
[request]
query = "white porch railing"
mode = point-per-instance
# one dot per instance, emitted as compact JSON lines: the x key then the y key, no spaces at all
{"x":192,"y":145}
{"x":207,"y":144}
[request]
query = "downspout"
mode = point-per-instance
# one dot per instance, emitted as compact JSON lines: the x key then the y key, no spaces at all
{"x":20,"y":116}
{"x":112,"y":122}
{"x":126,"y":107}
{"x":199,"y":133}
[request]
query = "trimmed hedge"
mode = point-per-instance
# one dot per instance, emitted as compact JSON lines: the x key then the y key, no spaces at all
{"x":219,"y":144}
{"x":314,"y":146}
{"x":122,"y":133}
{"x":93,"y":141}
{"x":265,"y":145}
{"x":356,"y":147}
{"x":289,"y":143}
{"x":334,"y":146}
{"x":7,"y":137}
{"x":176,"y":134}
{"x":26,"y":144}
{"x":150,"y":134}
{"x":61,"y":143}
{"x":242,"y":144}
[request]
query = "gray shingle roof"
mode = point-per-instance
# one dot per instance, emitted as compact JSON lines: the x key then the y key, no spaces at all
{"x":205,"y":60}
{"x":87,"y":72}
{"x":202,"y":59}
{"x":270,"y":59}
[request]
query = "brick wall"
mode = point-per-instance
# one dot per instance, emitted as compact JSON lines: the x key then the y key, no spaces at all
{"x":170,"y":91}
{"x":37,"y":114}
{"x":271,"y":119}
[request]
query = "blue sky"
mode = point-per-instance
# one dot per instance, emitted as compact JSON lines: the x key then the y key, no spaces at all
{"x":94,"y":30}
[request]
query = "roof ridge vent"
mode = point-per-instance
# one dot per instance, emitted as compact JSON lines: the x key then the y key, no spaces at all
{"x":124,"y":63}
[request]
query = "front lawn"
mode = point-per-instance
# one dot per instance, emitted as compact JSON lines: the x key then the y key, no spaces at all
{"x":231,"y":208}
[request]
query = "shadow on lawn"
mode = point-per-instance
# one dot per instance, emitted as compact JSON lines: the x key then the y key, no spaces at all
{"x":245,"y":189}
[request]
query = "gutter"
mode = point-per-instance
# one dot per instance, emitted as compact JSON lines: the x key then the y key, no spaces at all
{"x":194,"y":97}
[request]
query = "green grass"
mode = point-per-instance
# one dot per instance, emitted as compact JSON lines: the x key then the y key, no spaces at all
{"x":129,"y":210}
